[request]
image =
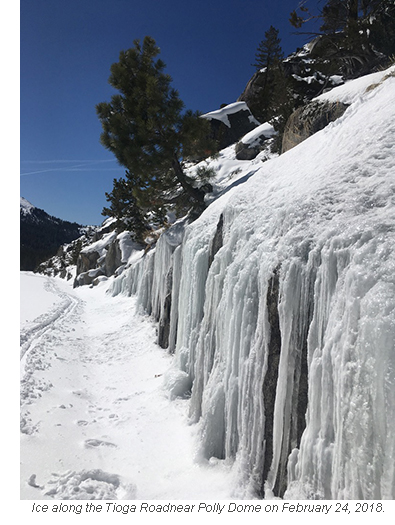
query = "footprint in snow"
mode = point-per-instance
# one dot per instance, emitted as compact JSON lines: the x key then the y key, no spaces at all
{"x":94,"y":443}
{"x":92,"y":484}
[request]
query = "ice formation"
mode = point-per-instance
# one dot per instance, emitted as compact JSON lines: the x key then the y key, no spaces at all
{"x":279,"y":305}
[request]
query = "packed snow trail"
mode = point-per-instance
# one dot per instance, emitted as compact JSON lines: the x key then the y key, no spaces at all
{"x":96,"y":422}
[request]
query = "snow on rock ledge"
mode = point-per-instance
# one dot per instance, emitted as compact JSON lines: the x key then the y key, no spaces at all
{"x":231,"y":122}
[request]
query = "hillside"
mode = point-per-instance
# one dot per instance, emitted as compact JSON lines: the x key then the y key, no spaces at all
{"x":41,"y":235}
{"x":277,"y":309}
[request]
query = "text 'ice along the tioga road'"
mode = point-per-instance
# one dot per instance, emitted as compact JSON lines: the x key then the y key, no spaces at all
{"x":211,"y":508}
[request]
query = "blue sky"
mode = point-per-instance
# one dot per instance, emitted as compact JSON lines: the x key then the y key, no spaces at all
{"x":66,"y":50}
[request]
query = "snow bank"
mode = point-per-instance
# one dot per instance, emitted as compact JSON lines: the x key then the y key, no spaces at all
{"x":31,"y":286}
{"x":284,"y":302}
{"x":252,"y":138}
{"x":96,"y":421}
{"x":352,"y":90}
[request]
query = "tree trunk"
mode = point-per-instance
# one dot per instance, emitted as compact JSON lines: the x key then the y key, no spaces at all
{"x":196,"y":193}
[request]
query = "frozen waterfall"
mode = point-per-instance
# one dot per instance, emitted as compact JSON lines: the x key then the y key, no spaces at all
{"x":279,"y":305}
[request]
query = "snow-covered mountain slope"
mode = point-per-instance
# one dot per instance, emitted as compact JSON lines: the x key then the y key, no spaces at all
{"x":26,"y":206}
{"x":279,"y":303}
{"x":41,"y":234}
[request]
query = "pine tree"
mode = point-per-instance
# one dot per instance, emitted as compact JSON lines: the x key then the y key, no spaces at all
{"x":144,"y":127}
{"x":123,"y":207}
{"x":269,"y":51}
{"x":268,"y":62}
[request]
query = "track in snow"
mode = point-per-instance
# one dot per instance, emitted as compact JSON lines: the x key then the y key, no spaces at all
{"x":95,"y":420}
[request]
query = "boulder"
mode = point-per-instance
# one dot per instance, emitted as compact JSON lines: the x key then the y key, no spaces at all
{"x":87,"y":278}
{"x":254,"y":142}
{"x":246,"y":152}
{"x":309,"y":119}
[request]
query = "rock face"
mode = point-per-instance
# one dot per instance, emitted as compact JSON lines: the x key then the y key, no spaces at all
{"x":230,"y":123}
{"x":107,"y":255}
{"x":282,"y":313}
{"x":87,"y":261}
{"x":113,"y":259}
{"x":309,"y":119}
{"x":317,"y":67}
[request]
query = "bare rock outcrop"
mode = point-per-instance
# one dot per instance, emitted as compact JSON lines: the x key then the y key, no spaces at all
{"x":309,"y":119}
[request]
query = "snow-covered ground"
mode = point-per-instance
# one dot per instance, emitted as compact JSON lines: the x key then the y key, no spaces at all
{"x":96,"y":420}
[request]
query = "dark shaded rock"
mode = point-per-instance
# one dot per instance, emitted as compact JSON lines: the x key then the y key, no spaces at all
{"x":330,"y":56}
{"x":309,"y":119}
{"x":230,"y":123}
{"x":246,"y":152}
{"x":253,"y":89}
{"x":217,"y":241}
{"x":270,"y":381}
{"x":113,"y":258}
{"x":164,"y":322}
{"x":87,"y":261}
{"x":320,"y":65}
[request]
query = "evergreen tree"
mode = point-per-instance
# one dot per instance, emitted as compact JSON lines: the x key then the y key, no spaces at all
{"x":144,"y":127}
{"x":268,"y":63}
{"x":269,"y":51}
{"x":123,"y":206}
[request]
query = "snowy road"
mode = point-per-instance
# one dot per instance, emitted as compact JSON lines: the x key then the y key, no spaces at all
{"x":96,"y":422}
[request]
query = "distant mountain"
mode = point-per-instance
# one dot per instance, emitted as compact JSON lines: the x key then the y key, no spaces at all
{"x":41,"y":235}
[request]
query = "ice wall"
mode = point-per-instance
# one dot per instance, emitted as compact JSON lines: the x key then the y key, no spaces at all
{"x":150,"y":278}
{"x":282,"y":314}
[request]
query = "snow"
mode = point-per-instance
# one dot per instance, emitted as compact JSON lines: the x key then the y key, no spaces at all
{"x":309,"y":80}
{"x":97,"y":422}
{"x":252,"y":138}
{"x":352,"y":90}
{"x":100,"y":245}
{"x":33,"y":286}
{"x":26,"y":206}
{"x":130,"y":250}
{"x":222,"y":114}
{"x":311,"y":231}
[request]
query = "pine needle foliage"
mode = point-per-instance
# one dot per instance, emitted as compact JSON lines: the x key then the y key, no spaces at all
{"x":269,"y":51}
{"x":272,"y":81}
{"x":145,"y":127}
